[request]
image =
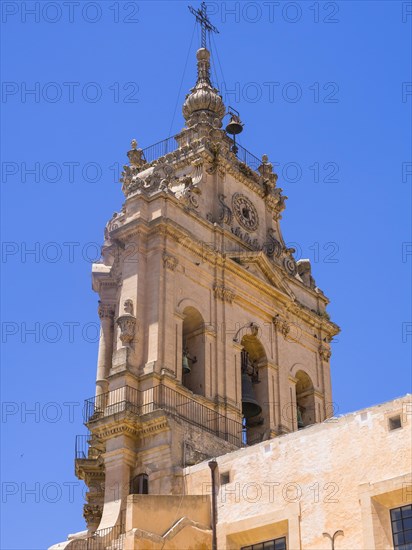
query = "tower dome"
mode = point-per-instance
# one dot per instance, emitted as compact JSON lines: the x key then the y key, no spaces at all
{"x":203,"y":98}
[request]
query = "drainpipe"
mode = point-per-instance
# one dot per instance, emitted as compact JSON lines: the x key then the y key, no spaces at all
{"x":213,"y":465}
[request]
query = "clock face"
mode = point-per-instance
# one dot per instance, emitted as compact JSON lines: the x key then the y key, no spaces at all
{"x":246,"y":214}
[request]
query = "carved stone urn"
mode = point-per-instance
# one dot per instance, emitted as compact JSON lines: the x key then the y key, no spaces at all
{"x":127,"y":323}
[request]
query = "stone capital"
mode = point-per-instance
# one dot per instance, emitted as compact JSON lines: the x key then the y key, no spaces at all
{"x":106,"y":311}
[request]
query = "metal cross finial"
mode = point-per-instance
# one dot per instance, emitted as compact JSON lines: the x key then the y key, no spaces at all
{"x":205,"y":24}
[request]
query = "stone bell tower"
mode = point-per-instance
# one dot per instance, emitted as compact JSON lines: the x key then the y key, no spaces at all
{"x":212,"y":335}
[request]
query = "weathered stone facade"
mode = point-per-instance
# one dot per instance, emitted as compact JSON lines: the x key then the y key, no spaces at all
{"x":213,"y":338}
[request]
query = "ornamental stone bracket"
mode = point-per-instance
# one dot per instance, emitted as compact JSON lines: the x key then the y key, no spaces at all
{"x":92,"y":514}
{"x":223,"y":293}
{"x":325,"y":353}
{"x":281,"y":325}
{"x":225,"y":215}
{"x":127,"y":324}
{"x":169,"y":262}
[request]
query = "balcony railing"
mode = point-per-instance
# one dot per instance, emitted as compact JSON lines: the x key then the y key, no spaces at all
{"x":170,"y":144}
{"x":128,"y":399}
{"x":82,"y":446}
{"x":160,"y":149}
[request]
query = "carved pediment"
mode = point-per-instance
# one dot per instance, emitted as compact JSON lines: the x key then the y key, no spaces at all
{"x":257,"y":264}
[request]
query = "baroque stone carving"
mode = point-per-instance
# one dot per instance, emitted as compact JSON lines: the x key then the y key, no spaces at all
{"x":324,"y":353}
{"x":159,"y":178}
{"x":281,"y":325}
{"x":272,"y":246}
{"x":225,"y":215}
{"x":223,"y":293}
{"x":92,"y":514}
{"x":190,"y":194}
{"x":127,"y":323}
{"x":106,"y":311}
{"x":135,"y":155}
{"x":169,"y":262}
{"x":245,"y":237}
{"x":289,"y":262}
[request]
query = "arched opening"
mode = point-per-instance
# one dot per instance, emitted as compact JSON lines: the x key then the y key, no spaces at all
{"x":193,"y":351}
{"x":305,"y":400}
{"x":139,"y":485}
{"x":254,"y":388}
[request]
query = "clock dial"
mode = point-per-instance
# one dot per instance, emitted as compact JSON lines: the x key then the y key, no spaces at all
{"x":245,"y":212}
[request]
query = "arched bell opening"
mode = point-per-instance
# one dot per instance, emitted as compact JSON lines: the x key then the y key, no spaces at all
{"x":253,"y":356}
{"x":193,"y":351}
{"x":305,"y":400}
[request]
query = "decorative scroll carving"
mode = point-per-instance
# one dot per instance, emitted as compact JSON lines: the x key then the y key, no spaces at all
{"x":289,"y":262}
{"x":272,"y":246}
{"x":169,"y":262}
{"x":190,"y":194}
{"x":225,"y":215}
{"x":223,"y":293}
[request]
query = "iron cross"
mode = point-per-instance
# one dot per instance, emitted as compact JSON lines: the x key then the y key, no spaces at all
{"x":205,"y":24}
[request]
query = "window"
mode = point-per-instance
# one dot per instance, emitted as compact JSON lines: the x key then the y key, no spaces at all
{"x":401,"y":519}
{"x":276,"y":544}
{"x":139,"y":485}
{"x":395,"y":422}
{"x":224,"y":478}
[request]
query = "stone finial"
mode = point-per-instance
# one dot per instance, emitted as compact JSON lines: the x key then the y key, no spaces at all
{"x":204,"y":97}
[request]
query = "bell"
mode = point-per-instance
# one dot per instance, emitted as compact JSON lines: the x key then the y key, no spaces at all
{"x":185,"y":365}
{"x":250,"y":407}
{"x":235,"y":126}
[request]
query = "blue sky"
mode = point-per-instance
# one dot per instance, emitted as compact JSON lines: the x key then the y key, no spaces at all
{"x":322,"y":88}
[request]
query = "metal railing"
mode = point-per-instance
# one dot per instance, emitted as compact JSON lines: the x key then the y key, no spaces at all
{"x":128,"y":399}
{"x":248,"y":158}
{"x":106,"y":539}
{"x":160,"y":149}
{"x":82,"y":446}
{"x":170,"y":144}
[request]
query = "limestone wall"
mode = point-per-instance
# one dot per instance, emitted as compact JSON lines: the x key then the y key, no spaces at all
{"x":344,"y":474}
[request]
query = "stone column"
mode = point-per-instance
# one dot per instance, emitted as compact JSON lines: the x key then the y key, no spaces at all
{"x":104,"y":360}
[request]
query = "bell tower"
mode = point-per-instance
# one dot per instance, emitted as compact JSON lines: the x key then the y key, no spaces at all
{"x":212,"y":335}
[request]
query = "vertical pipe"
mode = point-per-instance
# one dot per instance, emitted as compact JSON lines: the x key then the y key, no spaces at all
{"x":213,"y":465}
